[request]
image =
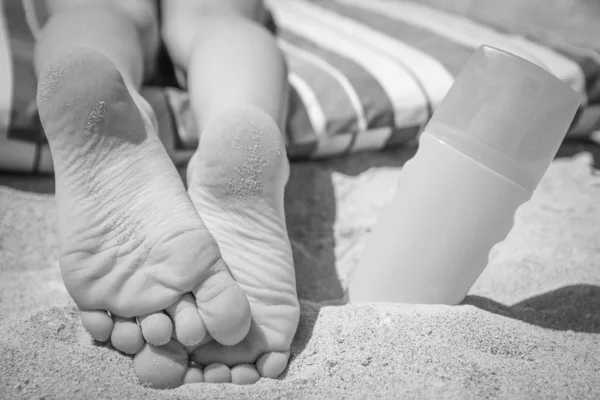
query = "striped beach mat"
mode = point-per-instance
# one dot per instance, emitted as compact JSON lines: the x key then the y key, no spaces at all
{"x":365,"y":75}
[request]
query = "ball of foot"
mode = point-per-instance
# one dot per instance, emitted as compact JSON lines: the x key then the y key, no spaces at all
{"x":161,"y":367}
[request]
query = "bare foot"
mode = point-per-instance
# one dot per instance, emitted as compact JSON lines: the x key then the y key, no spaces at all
{"x":236,"y":181}
{"x":131,"y":241}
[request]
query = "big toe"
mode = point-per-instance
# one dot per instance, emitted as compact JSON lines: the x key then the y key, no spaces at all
{"x":161,"y":367}
{"x":223,"y":306}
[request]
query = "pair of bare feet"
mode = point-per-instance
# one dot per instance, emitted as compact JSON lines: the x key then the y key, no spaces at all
{"x":198,"y":284}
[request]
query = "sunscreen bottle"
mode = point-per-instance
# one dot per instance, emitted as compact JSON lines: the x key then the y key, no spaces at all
{"x":480,"y":158}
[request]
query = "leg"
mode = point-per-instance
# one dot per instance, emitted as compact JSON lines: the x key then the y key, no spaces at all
{"x":238,"y":86}
{"x":125,"y":32}
{"x":131,"y":242}
{"x":244,"y":65}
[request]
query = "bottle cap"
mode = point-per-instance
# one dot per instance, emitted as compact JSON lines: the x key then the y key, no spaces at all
{"x":510,"y":113}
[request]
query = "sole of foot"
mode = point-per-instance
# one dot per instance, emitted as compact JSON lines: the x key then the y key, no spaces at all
{"x":236,"y":180}
{"x":135,"y":255}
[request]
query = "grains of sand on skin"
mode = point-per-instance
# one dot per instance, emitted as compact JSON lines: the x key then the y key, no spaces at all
{"x":125,"y":227}
{"x":250,"y":179}
{"x":95,"y":118}
{"x":50,"y":86}
{"x":91,"y":147}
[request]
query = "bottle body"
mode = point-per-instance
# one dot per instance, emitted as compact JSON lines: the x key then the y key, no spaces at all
{"x":447,"y":214}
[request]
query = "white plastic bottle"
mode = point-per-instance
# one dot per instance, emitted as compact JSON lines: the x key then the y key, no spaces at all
{"x":480,"y":157}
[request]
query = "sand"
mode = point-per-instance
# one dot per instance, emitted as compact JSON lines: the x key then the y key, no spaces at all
{"x":530,"y":327}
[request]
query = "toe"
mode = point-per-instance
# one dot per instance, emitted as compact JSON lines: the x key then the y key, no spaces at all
{"x":156,"y":328}
{"x":98,"y":323}
{"x":188,"y":327}
{"x":223,"y":306}
{"x":217,"y":373}
{"x":161,"y":367}
{"x":271,"y":365}
{"x":193,"y":375}
{"x":126,"y":335}
{"x":244,"y":374}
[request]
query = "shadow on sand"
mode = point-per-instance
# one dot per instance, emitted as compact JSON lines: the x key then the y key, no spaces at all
{"x":570,"y":308}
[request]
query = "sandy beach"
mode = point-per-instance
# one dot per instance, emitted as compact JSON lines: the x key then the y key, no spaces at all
{"x":530,"y":327}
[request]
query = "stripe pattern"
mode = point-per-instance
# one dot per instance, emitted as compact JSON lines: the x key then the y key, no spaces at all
{"x":364,"y":75}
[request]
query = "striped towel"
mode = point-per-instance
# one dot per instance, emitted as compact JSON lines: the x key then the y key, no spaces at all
{"x":365,"y":75}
